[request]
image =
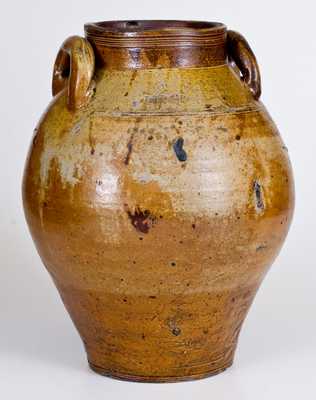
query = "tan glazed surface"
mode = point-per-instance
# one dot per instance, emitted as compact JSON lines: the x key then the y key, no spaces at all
{"x":158,"y":192}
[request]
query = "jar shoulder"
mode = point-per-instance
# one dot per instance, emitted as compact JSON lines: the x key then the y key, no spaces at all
{"x":201,"y":161}
{"x":213,"y":90}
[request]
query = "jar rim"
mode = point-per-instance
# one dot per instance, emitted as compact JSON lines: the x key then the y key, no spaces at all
{"x":153,"y":27}
{"x":156,"y":33}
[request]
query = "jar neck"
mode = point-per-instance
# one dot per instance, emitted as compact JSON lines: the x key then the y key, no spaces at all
{"x":157,"y":44}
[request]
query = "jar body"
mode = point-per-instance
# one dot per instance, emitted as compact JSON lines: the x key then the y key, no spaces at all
{"x":157,"y":209}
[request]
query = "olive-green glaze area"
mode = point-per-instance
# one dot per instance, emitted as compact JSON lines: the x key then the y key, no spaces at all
{"x":171,"y":90}
{"x":157,"y":208}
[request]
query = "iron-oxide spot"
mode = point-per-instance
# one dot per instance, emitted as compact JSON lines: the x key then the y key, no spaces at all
{"x":258,"y":196}
{"x":142,"y":220}
{"x":178,"y":149}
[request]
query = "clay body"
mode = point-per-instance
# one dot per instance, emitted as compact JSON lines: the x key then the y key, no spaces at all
{"x":158,"y":192}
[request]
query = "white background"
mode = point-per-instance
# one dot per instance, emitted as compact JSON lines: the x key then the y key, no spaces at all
{"x":41,"y":355}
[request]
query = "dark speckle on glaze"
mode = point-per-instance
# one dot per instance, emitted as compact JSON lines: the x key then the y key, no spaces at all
{"x":176,"y":331}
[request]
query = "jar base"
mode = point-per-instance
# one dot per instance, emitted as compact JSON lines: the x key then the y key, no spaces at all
{"x":158,"y":379}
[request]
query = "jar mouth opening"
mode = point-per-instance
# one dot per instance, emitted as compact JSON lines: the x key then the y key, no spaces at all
{"x":136,"y":28}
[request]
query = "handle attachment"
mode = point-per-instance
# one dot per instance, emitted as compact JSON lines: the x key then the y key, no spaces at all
{"x":241,"y":54}
{"x":74,"y":68}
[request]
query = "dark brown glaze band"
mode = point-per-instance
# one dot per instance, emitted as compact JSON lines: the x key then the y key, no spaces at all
{"x":157,"y":44}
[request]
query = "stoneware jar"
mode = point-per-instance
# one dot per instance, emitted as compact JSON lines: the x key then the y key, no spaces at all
{"x":158,"y":192}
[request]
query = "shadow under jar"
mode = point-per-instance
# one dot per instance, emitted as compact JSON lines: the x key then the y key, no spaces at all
{"x":158,"y":192}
